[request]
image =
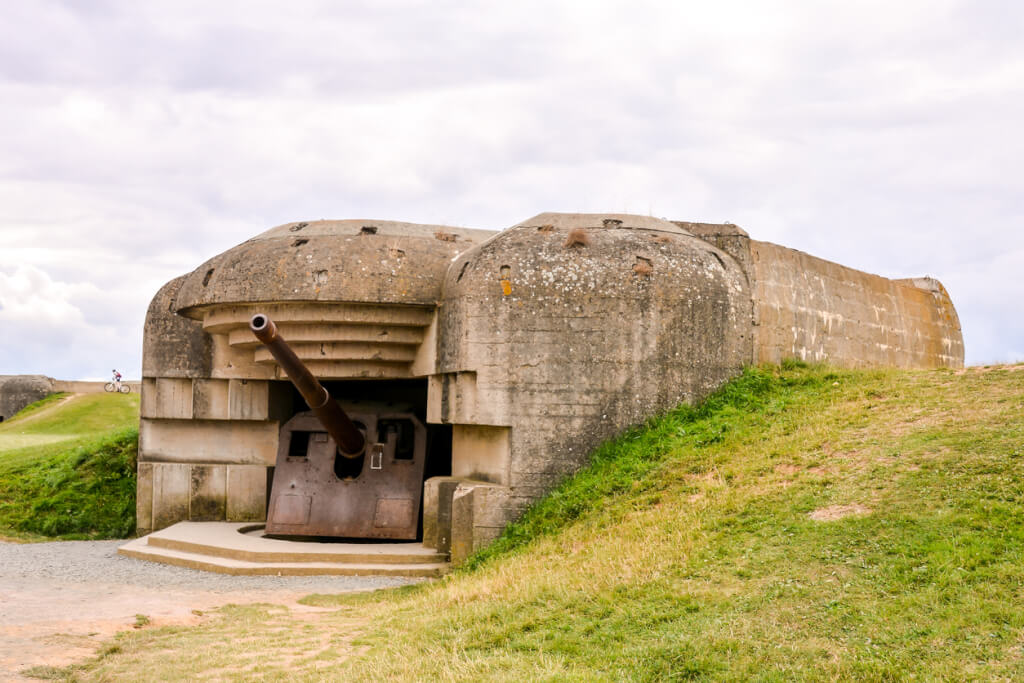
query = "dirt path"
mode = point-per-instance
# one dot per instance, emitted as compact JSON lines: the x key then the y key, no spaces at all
{"x":55,"y":624}
{"x":60,"y":601}
{"x":36,"y":416}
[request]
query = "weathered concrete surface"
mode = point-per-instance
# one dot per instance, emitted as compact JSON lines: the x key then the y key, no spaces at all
{"x":437,"y":511}
{"x":816,"y":310}
{"x":173,"y":346}
{"x":17,"y":391}
{"x":360,"y":261}
{"x":479,"y":513}
{"x":732,"y":239}
{"x":535,"y":344}
{"x":570,"y":327}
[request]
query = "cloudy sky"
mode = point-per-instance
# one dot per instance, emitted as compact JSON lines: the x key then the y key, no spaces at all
{"x":138,"y":139}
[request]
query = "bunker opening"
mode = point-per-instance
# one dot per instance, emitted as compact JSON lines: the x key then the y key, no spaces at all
{"x":353,"y":455}
{"x":377,"y":396}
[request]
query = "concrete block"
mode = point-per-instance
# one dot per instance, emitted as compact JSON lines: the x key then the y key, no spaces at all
{"x":173,"y":398}
{"x":208,"y":493}
{"x":148,"y":405}
{"x":481,"y":452}
{"x":461,"y":546}
{"x":217,"y":442}
{"x":172,"y":483}
{"x":431,"y":512}
{"x":144,"y":499}
{"x":210,"y":399}
{"x":491,"y":508}
{"x":249,"y":399}
{"x":437,"y":511}
{"x":425,"y":362}
{"x":228,"y":362}
{"x":483,"y":536}
{"x":246,"y":493}
{"x":480,"y":511}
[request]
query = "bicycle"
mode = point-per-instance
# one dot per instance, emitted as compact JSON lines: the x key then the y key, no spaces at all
{"x":117,"y":387}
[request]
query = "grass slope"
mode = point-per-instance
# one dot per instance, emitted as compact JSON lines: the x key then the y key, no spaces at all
{"x":67,"y":468}
{"x":802,"y":524}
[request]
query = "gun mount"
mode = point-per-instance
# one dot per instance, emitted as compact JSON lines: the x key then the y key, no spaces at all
{"x":342,"y":476}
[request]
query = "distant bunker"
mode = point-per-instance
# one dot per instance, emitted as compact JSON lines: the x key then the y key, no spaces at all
{"x":18,"y":391}
{"x":479,"y":368}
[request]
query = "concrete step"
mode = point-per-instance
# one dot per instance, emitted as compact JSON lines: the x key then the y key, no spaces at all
{"x":233,"y":548}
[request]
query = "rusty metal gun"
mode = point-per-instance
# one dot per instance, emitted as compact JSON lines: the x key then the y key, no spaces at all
{"x":346,"y":435}
{"x":362,"y":479}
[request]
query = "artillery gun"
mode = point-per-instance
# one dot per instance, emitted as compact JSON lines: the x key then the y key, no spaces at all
{"x":355,"y":474}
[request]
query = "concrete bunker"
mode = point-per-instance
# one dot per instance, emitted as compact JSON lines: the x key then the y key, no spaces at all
{"x":18,"y":391}
{"x":356,"y":302}
{"x":492,"y":361}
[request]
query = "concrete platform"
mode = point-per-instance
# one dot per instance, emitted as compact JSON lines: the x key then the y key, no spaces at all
{"x":241,"y":549}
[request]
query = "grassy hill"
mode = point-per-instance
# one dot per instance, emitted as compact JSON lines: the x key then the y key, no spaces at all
{"x":67,"y":468}
{"x":802,"y":524}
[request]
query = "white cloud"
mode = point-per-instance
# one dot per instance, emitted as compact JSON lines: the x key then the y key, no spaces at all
{"x":68,"y":330}
{"x":27,"y":295}
{"x":881,"y":136}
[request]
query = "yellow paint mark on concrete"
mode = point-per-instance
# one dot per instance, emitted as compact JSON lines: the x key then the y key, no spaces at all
{"x":506,"y":287}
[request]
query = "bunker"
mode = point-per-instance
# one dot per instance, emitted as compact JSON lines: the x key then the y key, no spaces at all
{"x":17,"y":391}
{"x":478,"y":368}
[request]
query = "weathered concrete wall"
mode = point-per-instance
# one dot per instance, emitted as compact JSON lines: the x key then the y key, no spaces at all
{"x":816,"y":310}
{"x":560,"y":332}
{"x":172,"y":345}
{"x":17,"y":391}
{"x":175,"y":352}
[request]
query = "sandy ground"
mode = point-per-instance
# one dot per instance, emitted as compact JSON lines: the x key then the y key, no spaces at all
{"x":60,"y":601}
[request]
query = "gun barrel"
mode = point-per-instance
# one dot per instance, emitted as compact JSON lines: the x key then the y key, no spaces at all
{"x":346,"y":435}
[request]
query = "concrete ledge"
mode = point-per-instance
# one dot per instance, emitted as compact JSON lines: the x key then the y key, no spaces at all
{"x":226,"y":548}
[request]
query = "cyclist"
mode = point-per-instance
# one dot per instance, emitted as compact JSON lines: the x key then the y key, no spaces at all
{"x":116,"y":379}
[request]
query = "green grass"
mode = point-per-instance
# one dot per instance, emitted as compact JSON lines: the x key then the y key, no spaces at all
{"x":67,"y":468}
{"x":803,"y":524}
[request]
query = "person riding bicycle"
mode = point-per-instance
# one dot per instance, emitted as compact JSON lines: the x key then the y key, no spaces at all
{"x":117,"y":379}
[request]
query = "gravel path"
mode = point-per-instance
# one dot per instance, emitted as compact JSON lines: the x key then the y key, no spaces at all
{"x":98,"y":561}
{"x":59,"y":601}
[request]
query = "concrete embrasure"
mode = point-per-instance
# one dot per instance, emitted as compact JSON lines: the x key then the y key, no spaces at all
{"x":239,"y":548}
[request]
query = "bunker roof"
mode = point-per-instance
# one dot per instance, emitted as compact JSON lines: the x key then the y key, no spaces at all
{"x":358,"y":261}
